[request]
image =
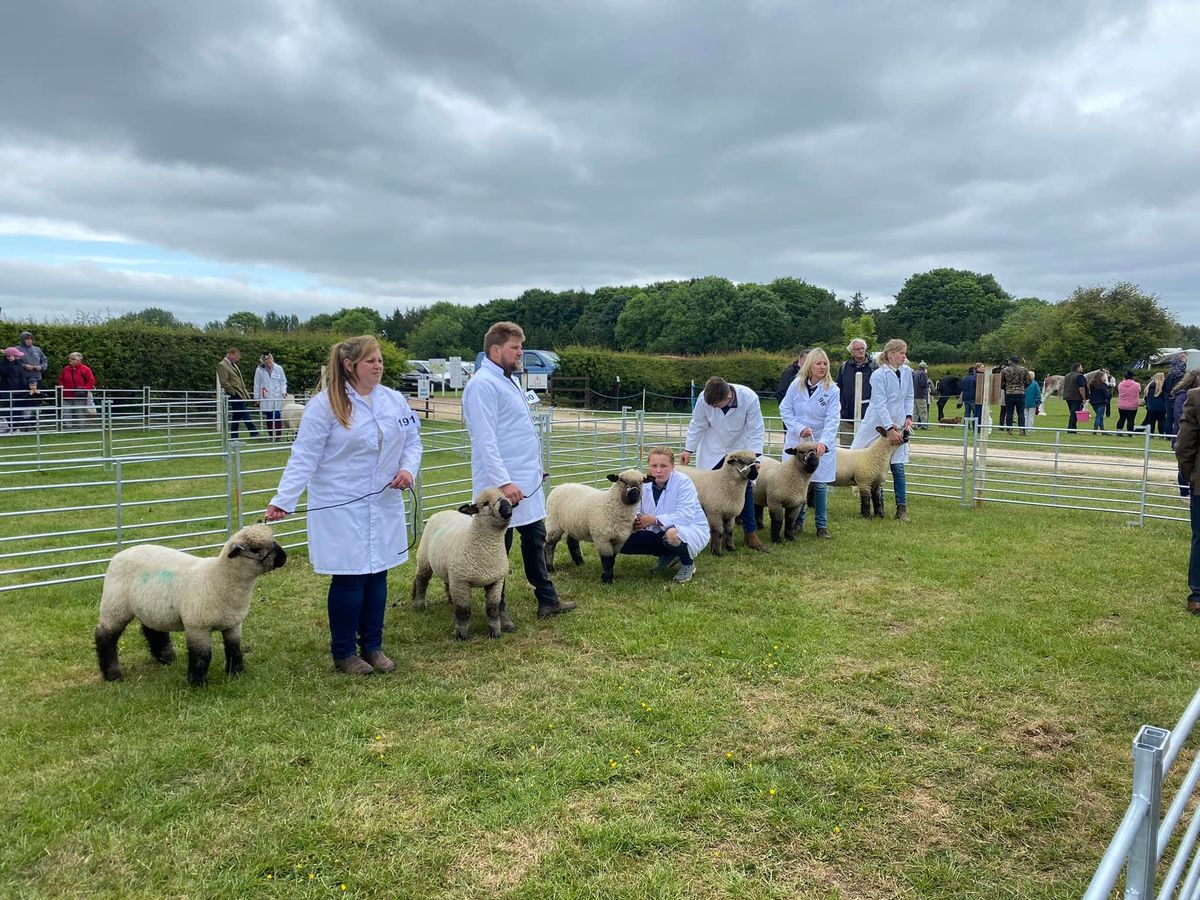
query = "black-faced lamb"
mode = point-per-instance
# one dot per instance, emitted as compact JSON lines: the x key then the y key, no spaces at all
{"x":168,"y":590}
{"x":604,"y":517}
{"x":864,"y":469}
{"x":782,"y":487}
{"x":723,"y":495}
{"x":464,"y":547}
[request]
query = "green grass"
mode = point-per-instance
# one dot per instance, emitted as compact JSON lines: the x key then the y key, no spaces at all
{"x":943,"y":709}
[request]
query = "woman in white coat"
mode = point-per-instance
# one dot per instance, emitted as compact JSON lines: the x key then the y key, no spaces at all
{"x":358,"y":448}
{"x":892,"y":410}
{"x":811,"y":411}
{"x":270,"y":385}
{"x":671,"y":525}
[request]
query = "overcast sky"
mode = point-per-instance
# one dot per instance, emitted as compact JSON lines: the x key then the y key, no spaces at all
{"x":214,"y":156}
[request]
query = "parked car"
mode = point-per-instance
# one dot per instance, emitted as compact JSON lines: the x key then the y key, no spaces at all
{"x":417,"y":368}
{"x":534,"y":362}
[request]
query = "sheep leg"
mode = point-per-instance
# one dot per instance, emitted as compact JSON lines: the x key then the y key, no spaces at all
{"x":864,"y":503}
{"x":460,"y":596}
{"x":877,"y":500}
{"x":728,"y":526}
{"x":714,"y":539}
{"x":576,"y":552}
{"x":551,"y":545}
{"x":608,"y":558}
{"x":758,"y":516}
{"x":506,"y":624}
{"x":790,"y":515}
{"x":106,"y":649}
{"x":161,"y":647}
{"x":199,"y":644}
{"x":777,"y":524}
{"x":491,"y":600}
{"x":420,"y":585}
{"x":235,"y":664}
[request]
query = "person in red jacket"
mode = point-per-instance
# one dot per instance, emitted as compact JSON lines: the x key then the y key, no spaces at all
{"x":77,"y":382}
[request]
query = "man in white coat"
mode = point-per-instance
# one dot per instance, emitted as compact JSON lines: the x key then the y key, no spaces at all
{"x":728,"y":417}
{"x":671,"y":524}
{"x":506,"y":454}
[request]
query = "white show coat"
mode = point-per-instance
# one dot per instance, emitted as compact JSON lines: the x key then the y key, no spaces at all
{"x":504,"y":442}
{"x":712,"y":433}
{"x":820,"y":411}
{"x":891,"y":403}
{"x":339,"y":464}
{"x":269,"y":387}
{"x":678,"y":507}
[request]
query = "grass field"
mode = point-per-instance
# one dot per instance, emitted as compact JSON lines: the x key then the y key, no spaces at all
{"x":942,"y":709}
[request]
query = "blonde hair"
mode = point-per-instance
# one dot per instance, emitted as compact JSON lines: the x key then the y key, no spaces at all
{"x":343,"y":357}
{"x":661,"y":450}
{"x":1157,"y":381}
{"x":815,"y":355}
{"x":892,"y":346}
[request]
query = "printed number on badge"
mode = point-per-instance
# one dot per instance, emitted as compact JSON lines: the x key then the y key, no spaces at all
{"x":531,"y":398}
{"x":407,"y":421}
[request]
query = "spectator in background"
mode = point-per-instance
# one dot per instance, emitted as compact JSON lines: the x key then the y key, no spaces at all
{"x":1190,"y":380}
{"x":970,"y":411}
{"x":1075,"y":393}
{"x":34,"y":363}
{"x":858,"y":364}
{"x":1033,"y":400}
{"x":1174,"y":373}
{"x":1014,"y":378}
{"x":1099,"y":396}
{"x":1187,"y":453}
{"x":789,"y":375}
{"x":270,"y":385}
{"x":77,"y":382}
{"x":921,"y":395}
{"x":1156,"y":404}
{"x":13,"y":385}
{"x":230,"y":378}
{"x":1129,"y":393}
{"x":949,"y":387}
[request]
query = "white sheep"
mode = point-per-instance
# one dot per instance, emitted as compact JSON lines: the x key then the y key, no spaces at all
{"x":464,"y":547}
{"x":782,"y":487}
{"x":604,"y":517}
{"x":168,"y":590}
{"x":864,"y":469}
{"x":723,"y":495}
{"x":291,"y":414}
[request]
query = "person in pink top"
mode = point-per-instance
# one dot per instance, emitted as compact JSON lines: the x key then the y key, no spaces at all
{"x":1129,"y":394}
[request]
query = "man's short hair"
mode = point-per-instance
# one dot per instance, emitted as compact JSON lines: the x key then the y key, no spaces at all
{"x":1014,"y":359}
{"x":502,"y":333}
{"x":233,"y":350}
{"x":716,"y":391}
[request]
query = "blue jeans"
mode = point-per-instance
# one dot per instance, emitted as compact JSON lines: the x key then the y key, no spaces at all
{"x":1194,"y":559}
{"x":969,"y":409}
{"x":749,"y":522}
{"x":899,"y":485}
{"x":356,"y":606}
{"x":1099,"y":413}
{"x":820,"y":506}
{"x":653,"y":543}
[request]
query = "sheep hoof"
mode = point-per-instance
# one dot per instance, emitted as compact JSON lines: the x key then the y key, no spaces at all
{"x":461,"y":635}
{"x":493,"y":630}
{"x":113,"y":674}
{"x":606,"y":579}
{"x":507,"y":624}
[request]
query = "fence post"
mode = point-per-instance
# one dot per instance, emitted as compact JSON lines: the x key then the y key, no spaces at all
{"x":641,"y":436}
{"x":1054,"y":472}
{"x":236,"y":459}
{"x":58,"y":408}
{"x":106,"y":432}
{"x":966,"y":463}
{"x":624,"y":415}
{"x":692,"y":395}
{"x":1145,"y":479}
{"x":643,"y":399}
{"x":119,"y":515}
{"x":146,"y":406}
{"x":587,"y":391}
{"x":1148,"y":749}
{"x":223,"y":420}
{"x":418,"y":507}
{"x":230,"y":487}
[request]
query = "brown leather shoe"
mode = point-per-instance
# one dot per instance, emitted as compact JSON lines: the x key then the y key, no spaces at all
{"x":754,"y":542}
{"x":353,"y":665}
{"x":823,"y":533}
{"x":378,"y":661}
{"x":1194,"y":607}
{"x":553,"y":609}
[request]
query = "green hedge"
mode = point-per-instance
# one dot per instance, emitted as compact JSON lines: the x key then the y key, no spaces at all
{"x":184,"y":359}
{"x":668,"y":376}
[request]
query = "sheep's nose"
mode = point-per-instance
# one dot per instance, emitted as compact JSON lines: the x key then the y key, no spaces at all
{"x":505,"y":509}
{"x":280,"y":556}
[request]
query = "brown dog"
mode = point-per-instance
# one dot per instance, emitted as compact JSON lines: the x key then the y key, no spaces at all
{"x":956,"y":420}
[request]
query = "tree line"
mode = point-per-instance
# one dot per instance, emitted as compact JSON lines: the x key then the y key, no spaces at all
{"x":947,"y":315}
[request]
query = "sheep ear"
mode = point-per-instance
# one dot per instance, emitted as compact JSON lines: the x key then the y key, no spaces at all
{"x":236,"y":550}
{"x":611,"y":477}
{"x":469,"y":509}
{"x":718,"y":465}
{"x":881,"y":430}
{"x":790,"y":451}
{"x":647,"y":479}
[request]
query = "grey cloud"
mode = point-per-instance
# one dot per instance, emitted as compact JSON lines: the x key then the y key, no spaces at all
{"x":427,"y":151}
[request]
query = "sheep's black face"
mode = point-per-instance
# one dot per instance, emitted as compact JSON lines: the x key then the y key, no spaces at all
{"x":632,"y":495}
{"x":811,"y":461}
{"x":504,"y":509}
{"x":753,"y":473}
{"x":279,"y":557}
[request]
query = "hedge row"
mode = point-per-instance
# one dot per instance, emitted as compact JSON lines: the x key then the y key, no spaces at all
{"x":182,"y":359}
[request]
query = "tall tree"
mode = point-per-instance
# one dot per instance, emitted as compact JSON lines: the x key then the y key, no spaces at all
{"x":153,"y":315}
{"x":244,"y":321}
{"x":1110,"y":327}
{"x":950,"y":305}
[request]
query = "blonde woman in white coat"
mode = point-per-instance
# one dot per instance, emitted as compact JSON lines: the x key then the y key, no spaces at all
{"x":671,"y":524}
{"x":811,"y":411}
{"x":892,"y":410}
{"x":358,"y":448}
